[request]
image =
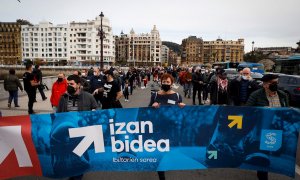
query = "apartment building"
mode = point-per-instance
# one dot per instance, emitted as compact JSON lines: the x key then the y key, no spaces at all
{"x":139,"y":49}
{"x":77,"y":43}
{"x":165,"y":55}
{"x":192,"y":51}
{"x":10,"y":43}
{"x":45,"y":42}
{"x":277,"y":50}
{"x":84,"y":42}
{"x":223,"y":50}
{"x":196,"y":51}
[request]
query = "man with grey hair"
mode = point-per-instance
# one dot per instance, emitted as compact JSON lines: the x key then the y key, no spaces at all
{"x":241,"y":87}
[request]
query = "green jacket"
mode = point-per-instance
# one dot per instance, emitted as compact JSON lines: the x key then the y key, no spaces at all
{"x":11,"y":83}
{"x":259,"y":98}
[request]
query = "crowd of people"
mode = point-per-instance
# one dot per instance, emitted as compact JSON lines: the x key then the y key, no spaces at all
{"x":95,"y":88}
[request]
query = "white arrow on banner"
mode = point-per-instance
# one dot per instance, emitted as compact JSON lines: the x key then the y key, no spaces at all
{"x":92,"y":134}
{"x":11,"y":139}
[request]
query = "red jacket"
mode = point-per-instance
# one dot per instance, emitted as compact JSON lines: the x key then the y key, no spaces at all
{"x":58,"y":89}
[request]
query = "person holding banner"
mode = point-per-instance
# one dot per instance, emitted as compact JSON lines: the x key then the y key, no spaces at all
{"x":268,"y":96}
{"x":75,"y":99}
{"x":165,"y":97}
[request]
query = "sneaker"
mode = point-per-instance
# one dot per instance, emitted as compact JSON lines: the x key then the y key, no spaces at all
{"x":44,"y":98}
{"x":9,"y":105}
{"x":17,"y":106}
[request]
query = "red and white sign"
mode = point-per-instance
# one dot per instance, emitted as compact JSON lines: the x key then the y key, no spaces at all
{"x":18,"y":155}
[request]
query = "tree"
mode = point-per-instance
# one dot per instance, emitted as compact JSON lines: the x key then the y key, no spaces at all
{"x":255,"y":56}
{"x":173,"y":46}
{"x":298,"y":48}
{"x":23,"y":22}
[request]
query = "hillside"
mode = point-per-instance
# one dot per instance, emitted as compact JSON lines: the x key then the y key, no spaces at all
{"x":174,"y":46}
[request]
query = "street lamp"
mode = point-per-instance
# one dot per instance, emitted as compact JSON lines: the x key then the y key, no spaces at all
{"x":101,"y":34}
{"x":252,"y":46}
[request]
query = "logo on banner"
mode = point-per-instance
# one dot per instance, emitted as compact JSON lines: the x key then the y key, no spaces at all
{"x":94,"y":135}
{"x":17,"y":152}
{"x":271,"y":140}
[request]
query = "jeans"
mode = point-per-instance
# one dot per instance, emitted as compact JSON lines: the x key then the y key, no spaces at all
{"x":188,"y":89}
{"x":13,"y":95}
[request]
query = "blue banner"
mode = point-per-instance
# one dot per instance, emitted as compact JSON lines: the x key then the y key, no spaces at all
{"x":167,"y":138}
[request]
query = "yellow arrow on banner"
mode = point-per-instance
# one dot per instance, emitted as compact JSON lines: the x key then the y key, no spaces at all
{"x":236,"y":120}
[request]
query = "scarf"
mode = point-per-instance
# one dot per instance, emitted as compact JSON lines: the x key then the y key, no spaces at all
{"x":222,"y":84}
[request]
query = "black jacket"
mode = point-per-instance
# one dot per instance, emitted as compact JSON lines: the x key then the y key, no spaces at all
{"x":196,"y":77}
{"x":235,"y":86}
{"x":259,"y":98}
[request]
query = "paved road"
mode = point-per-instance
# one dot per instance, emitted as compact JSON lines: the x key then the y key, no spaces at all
{"x":141,"y":98}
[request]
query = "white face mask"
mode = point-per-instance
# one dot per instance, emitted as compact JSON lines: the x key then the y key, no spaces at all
{"x":245,"y":77}
{"x":95,"y":74}
{"x":83,"y":74}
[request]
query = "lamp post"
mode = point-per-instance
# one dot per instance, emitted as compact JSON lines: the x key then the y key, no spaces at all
{"x":252,"y":47}
{"x":101,"y":34}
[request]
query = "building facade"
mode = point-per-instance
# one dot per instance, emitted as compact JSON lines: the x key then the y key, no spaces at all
{"x":277,"y":50}
{"x":173,"y":58}
{"x":223,"y":51}
{"x":45,"y":42}
{"x":76,"y":43}
{"x":165,"y":55}
{"x":10,"y":43}
{"x":139,"y":49}
{"x":196,"y":51}
{"x":84,"y":42}
{"x":192,"y":51}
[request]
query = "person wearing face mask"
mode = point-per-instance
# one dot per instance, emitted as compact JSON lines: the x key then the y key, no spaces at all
{"x":59,"y":87}
{"x":268,"y":96}
{"x":166,"y":97}
{"x":96,"y":81}
{"x":75,"y":99}
{"x":241,"y":87}
{"x":111,"y":91}
{"x":155,"y":86}
{"x":219,"y":88}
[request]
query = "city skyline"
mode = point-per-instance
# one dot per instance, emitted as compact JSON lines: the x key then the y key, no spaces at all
{"x":267,"y":23}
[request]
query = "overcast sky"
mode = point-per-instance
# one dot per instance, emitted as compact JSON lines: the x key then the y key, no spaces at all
{"x":266,"y":22}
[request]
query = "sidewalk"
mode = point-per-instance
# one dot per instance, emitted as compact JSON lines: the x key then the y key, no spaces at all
{"x":41,"y":107}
